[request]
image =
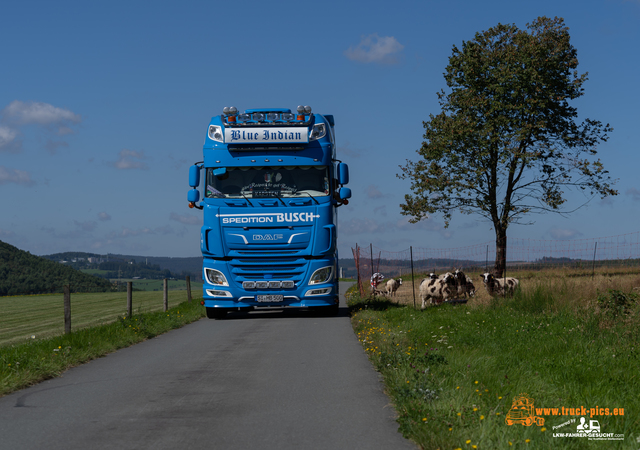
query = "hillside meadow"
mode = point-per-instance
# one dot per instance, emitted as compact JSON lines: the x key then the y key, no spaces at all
{"x":565,"y":340}
{"x":42,"y":316}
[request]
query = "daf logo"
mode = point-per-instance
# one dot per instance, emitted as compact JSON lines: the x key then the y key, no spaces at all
{"x":267,"y":237}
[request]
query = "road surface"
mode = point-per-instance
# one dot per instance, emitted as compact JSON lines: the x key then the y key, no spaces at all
{"x":263,"y":380}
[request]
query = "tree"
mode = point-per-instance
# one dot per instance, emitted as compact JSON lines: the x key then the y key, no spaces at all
{"x":507,"y":143}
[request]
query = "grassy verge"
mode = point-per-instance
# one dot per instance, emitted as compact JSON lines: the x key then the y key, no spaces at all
{"x":22,"y":365}
{"x":454,"y":371}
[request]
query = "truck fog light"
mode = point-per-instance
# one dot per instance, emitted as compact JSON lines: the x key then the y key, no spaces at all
{"x":323,"y":291}
{"x":216,"y":293}
{"x":249,"y":284}
{"x":262,"y":284}
{"x":288,"y":284}
{"x":274,"y":284}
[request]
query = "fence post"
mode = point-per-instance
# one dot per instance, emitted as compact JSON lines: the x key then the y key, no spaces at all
{"x":188,"y":280}
{"x":593,"y":269}
{"x":413,"y":282}
{"x":166,"y":295}
{"x":129,"y":298}
{"x":67,"y":309}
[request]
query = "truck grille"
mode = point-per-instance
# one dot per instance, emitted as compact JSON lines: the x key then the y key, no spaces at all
{"x":245,"y":269}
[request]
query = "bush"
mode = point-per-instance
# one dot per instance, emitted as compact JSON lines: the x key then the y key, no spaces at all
{"x":616,"y":303}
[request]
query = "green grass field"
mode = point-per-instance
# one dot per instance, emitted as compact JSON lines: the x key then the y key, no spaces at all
{"x":42,"y":316}
{"x":453,"y":371}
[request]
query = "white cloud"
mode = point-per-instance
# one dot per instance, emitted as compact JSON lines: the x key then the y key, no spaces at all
{"x":375,"y":49}
{"x":103,"y":216}
{"x":564,"y":234}
{"x":86,"y":226}
{"x":41,"y":114}
{"x":373,"y":192}
{"x":15,"y":176}
{"x":7,"y":137}
{"x":187,"y":219}
{"x":129,"y":159}
{"x":633,"y":193}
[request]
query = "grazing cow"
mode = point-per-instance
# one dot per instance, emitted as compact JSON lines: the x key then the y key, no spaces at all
{"x":499,"y":286}
{"x":463,"y":283}
{"x":438,"y":290}
{"x":392,"y":286}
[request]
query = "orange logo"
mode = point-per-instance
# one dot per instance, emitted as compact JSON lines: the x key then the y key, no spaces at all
{"x":522,"y":412}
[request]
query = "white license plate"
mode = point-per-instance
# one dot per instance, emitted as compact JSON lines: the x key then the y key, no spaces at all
{"x":269,"y":298}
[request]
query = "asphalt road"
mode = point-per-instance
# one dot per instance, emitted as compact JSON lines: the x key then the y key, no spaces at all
{"x":264,"y":380}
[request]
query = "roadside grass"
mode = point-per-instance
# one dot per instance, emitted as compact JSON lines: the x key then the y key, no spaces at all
{"x":36,"y":360}
{"x":43,"y":315}
{"x":157,"y":285}
{"x":453,"y":371}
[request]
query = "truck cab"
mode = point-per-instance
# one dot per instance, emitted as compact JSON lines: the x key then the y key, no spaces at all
{"x":272,"y":186}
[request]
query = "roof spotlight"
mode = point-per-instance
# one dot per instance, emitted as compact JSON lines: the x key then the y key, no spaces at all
{"x":234,"y":110}
{"x":307,"y":109}
{"x":225,"y":110}
{"x":300,"y":109}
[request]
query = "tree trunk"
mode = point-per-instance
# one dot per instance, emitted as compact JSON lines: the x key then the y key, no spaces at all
{"x":501,"y":252}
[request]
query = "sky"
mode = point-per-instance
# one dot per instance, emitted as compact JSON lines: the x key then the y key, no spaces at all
{"x":105,"y":105}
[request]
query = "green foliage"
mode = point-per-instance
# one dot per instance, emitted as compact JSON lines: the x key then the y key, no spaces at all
{"x":452,"y":371}
{"x":506,"y":143}
{"x":24,"y":273}
{"x":617,"y":303}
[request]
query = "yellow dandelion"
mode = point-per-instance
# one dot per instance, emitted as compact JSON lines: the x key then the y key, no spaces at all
{"x":424,"y":419}
{"x":499,"y":398}
{"x":543,"y":429}
{"x":481,"y":417}
{"x":475,"y":409}
{"x":450,"y":429}
{"x":527,"y":440}
{"x":476,"y":382}
{"x":459,"y":414}
{"x":510,"y":443}
{"x":458,"y":387}
{"x":468,"y":441}
{"x":474,"y":446}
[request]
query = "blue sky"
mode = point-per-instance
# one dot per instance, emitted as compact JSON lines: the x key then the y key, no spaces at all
{"x":104,"y":106}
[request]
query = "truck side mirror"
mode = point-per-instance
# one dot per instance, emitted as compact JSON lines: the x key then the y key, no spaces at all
{"x":343,"y":173}
{"x":344,"y":193}
{"x":193,"y":196}
{"x":194,"y":176}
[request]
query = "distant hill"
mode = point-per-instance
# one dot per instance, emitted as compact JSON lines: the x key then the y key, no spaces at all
{"x":128,"y":266}
{"x":24,"y":273}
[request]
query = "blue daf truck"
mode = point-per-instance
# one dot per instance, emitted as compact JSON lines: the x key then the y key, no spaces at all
{"x":271,"y":189}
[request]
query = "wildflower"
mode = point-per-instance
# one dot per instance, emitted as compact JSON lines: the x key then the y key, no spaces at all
{"x":459,"y":414}
{"x":499,"y":398}
{"x":458,"y":387}
{"x":527,"y":440}
{"x":476,"y":382}
{"x":468,"y":441}
{"x":543,"y":429}
{"x":424,"y":419}
{"x":450,"y":429}
{"x":481,"y":417}
{"x":475,"y":409}
{"x":497,"y":414}
{"x":474,"y":446}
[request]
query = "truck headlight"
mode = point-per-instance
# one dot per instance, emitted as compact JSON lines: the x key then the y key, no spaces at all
{"x":318,"y":131}
{"x":216,"y":277}
{"x":321,"y":275}
{"x":215,"y":133}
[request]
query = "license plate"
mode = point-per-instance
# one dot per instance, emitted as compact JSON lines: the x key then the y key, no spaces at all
{"x":269,"y":298}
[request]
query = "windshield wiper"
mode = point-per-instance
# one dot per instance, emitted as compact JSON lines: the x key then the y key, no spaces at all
{"x":312,"y":197}
{"x":245,"y":197}
{"x":279,"y":198}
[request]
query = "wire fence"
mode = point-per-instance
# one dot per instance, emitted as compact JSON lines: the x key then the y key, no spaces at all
{"x":37,"y":316}
{"x":522,"y":254}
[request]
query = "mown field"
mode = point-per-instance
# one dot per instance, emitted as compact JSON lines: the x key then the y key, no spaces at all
{"x":41,"y":316}
{"x":565,"y":340}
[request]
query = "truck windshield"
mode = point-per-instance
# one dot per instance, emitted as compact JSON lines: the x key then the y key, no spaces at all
{"x":279,"y":181}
